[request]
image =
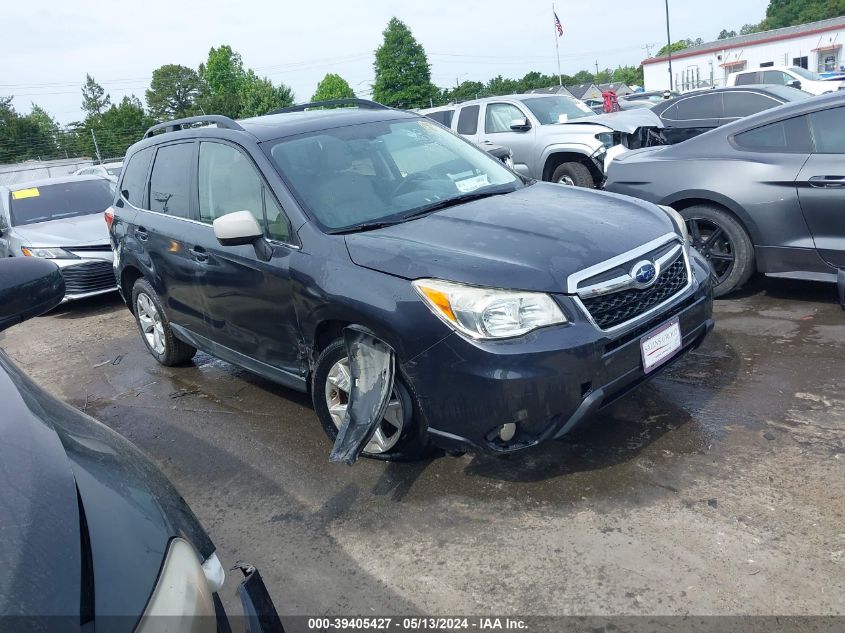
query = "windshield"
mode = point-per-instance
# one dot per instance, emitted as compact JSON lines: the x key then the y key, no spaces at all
{"x":806,"y":74}
{"x":59,"y":201}
{"x":382,"y":172}
{"x":557,"y":109}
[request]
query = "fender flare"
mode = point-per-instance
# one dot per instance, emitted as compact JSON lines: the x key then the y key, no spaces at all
{"x":731,"y":205}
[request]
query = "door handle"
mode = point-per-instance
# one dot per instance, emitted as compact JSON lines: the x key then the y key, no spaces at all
{"x":830,"y":182}
{"x":141,"y":233}
{"x":198,"y":253}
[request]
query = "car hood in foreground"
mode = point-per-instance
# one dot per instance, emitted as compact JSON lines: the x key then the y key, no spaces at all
{"x":83,"y":230}
{"x":53,"y":461}
{"x":531,"y":239}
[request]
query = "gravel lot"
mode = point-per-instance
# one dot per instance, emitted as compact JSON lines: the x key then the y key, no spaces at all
{"x":719,"y":488}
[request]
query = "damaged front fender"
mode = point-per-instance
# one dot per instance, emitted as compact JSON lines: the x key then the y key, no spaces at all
{"x":372,"y":368}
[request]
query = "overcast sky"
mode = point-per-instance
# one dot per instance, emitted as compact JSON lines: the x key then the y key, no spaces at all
{"x":48,"y":46}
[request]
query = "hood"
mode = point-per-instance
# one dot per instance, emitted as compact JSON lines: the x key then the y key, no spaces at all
{"x":531,"y":239}
{"x":83,"y":230}
{"x":627,"y":121}
{"x":55,"y":460}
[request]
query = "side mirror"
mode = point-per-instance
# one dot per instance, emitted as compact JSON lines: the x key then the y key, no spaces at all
{"x":237,"y":229}
{"x":794,"y":84}
{"x":29,"y":287}
{"x":520,"y":125}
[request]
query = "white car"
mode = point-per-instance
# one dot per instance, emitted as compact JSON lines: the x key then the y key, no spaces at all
{"x":793,"y":76}
{"x":106,"y":170}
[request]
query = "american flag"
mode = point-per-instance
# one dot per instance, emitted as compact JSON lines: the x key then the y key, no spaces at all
{"x":558,"y":25}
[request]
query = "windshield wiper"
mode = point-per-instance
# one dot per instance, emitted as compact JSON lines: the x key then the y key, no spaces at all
{"x":451,"y":202}
{"x":365,"y":226}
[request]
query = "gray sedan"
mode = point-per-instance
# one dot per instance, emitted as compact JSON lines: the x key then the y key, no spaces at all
{"x":764,"y":193}
{"x":61,"y":219}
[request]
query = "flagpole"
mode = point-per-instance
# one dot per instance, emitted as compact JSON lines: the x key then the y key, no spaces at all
{"x":557,"y":47}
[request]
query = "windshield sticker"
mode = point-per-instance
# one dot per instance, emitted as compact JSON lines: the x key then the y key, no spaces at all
{"x":471,"y":184}
{"x":562,"y":118}
{"x":20,"y":194}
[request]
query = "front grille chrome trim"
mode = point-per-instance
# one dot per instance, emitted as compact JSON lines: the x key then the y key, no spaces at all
{"x":621,"y":259}
{"x":624,"y":282}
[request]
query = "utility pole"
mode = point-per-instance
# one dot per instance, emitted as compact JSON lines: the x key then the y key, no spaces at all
{"x":96,"y":147}
{"x":597,"y":67}
{"x":669,"y":45}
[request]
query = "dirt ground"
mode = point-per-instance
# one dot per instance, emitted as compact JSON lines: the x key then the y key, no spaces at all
{"x":719,"y":488}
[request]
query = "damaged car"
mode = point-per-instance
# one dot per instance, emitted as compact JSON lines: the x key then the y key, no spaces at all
{"x":554,"y":138}
{"x":420,"y":291}
{"x":94,"y":537}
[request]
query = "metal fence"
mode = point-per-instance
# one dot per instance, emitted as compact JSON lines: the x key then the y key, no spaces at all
{"x":38,"y":169}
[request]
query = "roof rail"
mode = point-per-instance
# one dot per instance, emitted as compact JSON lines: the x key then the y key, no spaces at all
{"x":361,"y":103}
{"x":178,"y":124}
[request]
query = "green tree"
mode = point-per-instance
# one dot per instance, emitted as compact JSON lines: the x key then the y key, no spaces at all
{"x":174,"y":92}
{"x":465,"y":91}
{"x":782,"y":13}
{"x":725,"y":34}
{"x":748,"y":29}
{"x":94,"y":98}
{"x":333,"y":86}
{"x":680,"y":45}
{"x":23,"y":137}
{"x":402,"y":72}
{"x":223,"y":77}
{"x":583,"y":77}
{"x":116,"y":129}
{"x":629,"y":75}
{"x":259,"y":95}
{"x":501,"y":86}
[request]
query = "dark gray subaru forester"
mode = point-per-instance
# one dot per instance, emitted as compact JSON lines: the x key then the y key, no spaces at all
{"x":420,"y":290}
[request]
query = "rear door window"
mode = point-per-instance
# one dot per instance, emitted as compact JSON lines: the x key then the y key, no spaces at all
{"x":776,"y":77}
{"x":468,"y":120}
{"x":135,"y":177}
{"x":790,"y":136}
{"x":170,"y":180}
{"x":741,"y":104}
{"x":60,"y":201}
{"x":829,"y":130}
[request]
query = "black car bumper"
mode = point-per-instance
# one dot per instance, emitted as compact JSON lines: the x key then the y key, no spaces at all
{"x":546,"y":382}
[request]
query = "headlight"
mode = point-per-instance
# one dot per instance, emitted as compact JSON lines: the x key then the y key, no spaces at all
{"x":678,"y":221}
{"x":47,"y":252}
{"x":488,"y":313}
{"x":182,"y":591}
{"x":606,"y":139}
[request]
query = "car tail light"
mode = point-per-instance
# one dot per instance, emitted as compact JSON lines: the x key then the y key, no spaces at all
{"x":108,"y":214}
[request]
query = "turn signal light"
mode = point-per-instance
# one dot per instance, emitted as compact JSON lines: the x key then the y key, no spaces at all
{"x":108,"y":214}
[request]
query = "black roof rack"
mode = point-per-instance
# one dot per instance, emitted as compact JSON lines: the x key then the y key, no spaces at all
{"x":178,"y":124}
{"x":361,"y":103}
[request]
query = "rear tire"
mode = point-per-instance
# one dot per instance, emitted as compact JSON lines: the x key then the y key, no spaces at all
{"x":724,"y":243}
{"x":155,"y":327}
{"x":573,"y":174}
{"x":412,"y":441}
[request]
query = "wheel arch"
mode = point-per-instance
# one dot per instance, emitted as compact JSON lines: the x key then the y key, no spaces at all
{"x":128,"y":276}
{"x":557,"y":157}
{"x":686,"y":199}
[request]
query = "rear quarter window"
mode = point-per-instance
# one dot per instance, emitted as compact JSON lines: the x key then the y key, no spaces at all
{"x":790,"y":136}
{"x":135,"y":177}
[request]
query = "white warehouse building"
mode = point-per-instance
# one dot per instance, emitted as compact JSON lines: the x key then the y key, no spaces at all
{"x":816,"y":46}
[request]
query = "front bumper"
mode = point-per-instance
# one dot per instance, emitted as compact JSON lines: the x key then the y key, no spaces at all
{"x":546,"y":382}
{"x":88,"y":276}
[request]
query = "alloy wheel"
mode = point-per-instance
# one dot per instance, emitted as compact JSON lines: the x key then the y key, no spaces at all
{"x":151,"y":325}
{"x":337,"y":398}
{"x":566,"y":180}
{"x":709,"y":239}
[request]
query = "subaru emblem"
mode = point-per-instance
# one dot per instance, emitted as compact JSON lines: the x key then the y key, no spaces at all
{"x":645,"y":273}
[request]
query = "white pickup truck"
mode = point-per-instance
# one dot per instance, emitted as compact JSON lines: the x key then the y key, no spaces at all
{"x":792,"y":76}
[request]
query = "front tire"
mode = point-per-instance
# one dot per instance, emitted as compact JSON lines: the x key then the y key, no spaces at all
{"x":155,"y":327}
{"x":724,"y":243}
{"x":400,"y":436}
{"x":573,"y":174}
